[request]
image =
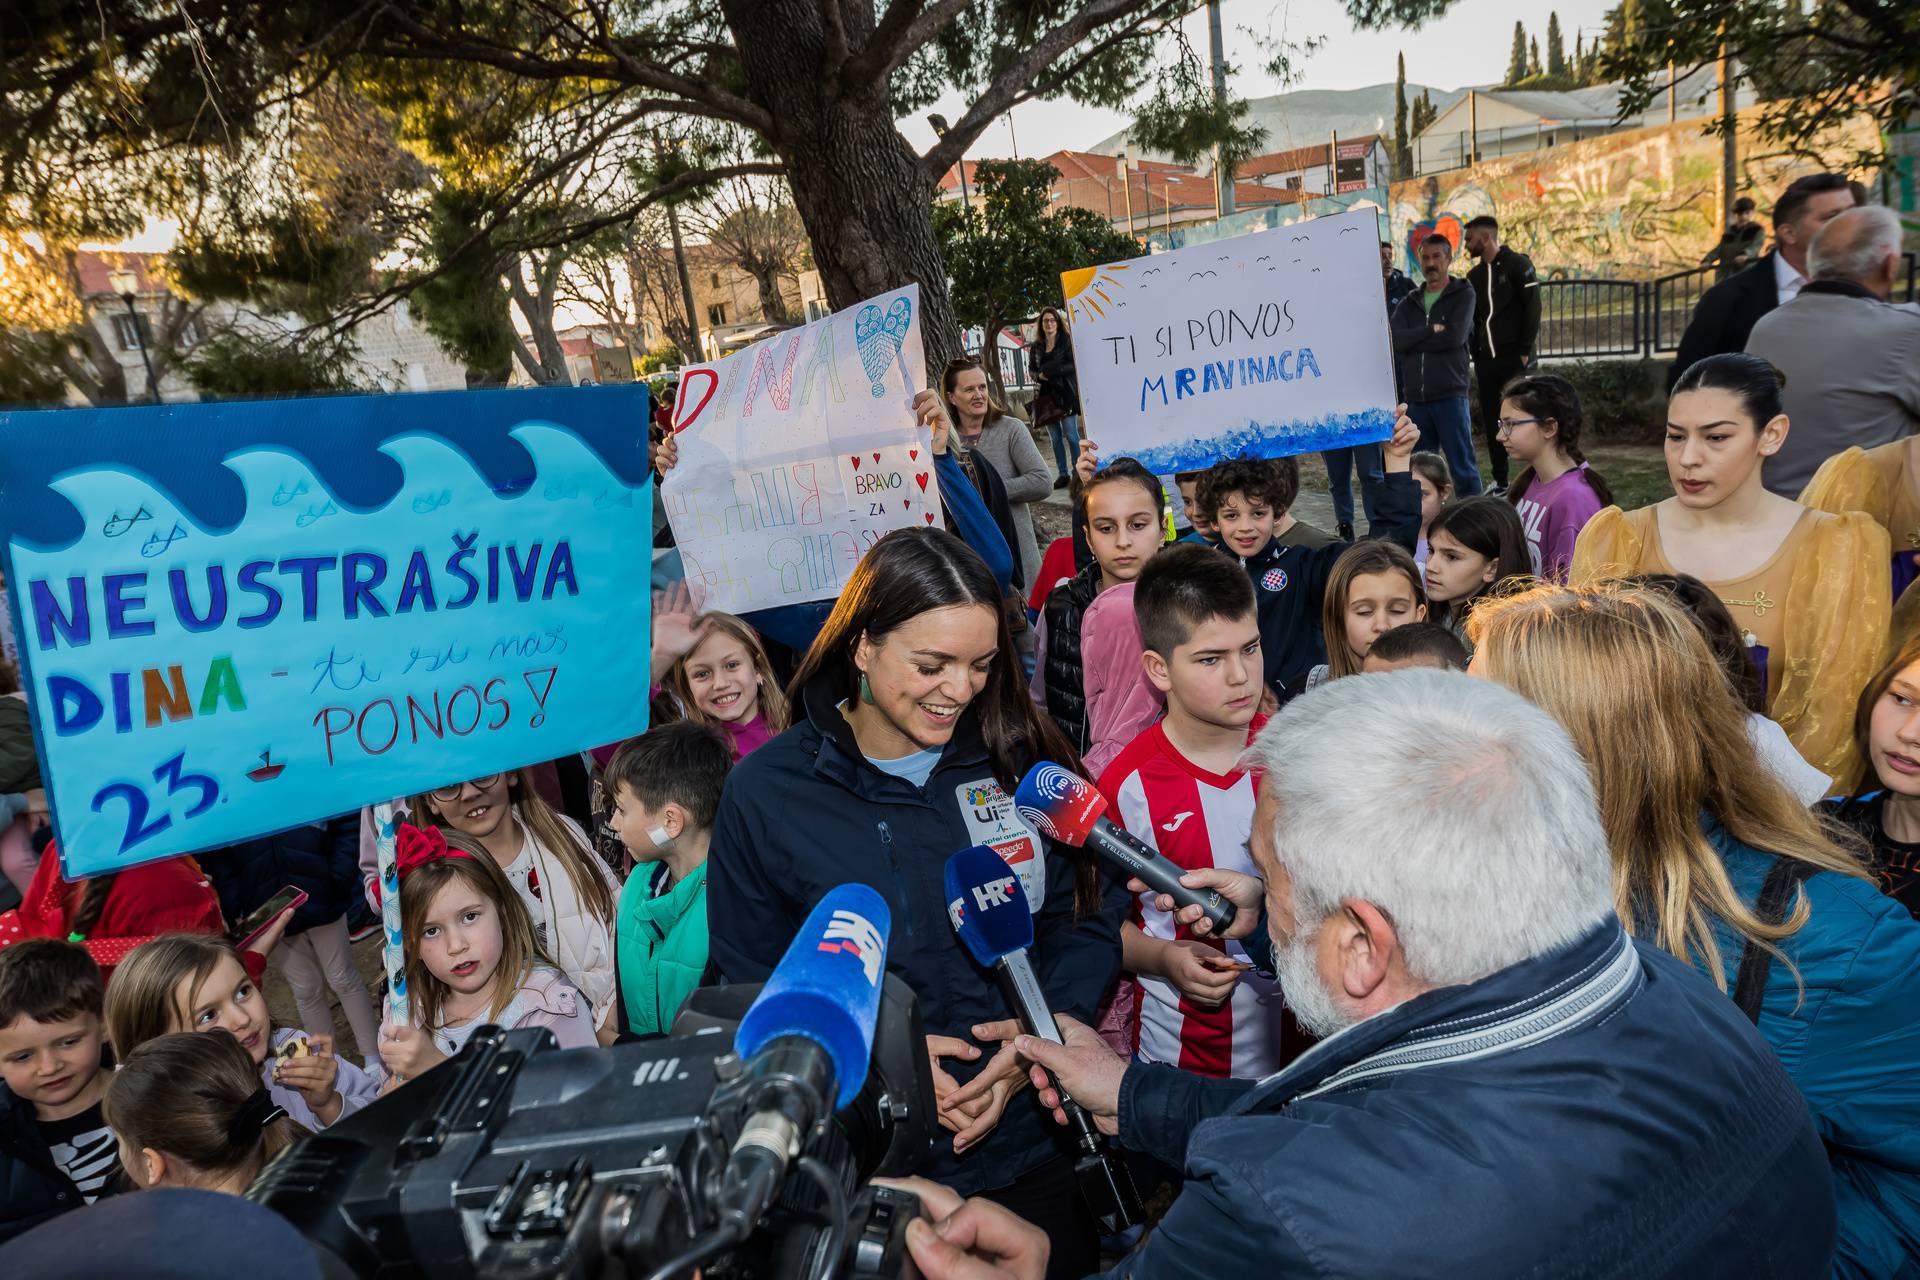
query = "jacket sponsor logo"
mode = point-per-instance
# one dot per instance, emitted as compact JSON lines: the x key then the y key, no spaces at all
{"x":1179,"y":820}
{"x":855,"y":934}
{"x":993,"y":821}
{"x":1275,"y":579}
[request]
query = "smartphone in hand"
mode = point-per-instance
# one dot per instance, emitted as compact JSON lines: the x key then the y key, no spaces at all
{"x":257,"y":921}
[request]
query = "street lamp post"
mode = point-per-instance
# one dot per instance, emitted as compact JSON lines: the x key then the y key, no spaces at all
{"x":126,"y":283}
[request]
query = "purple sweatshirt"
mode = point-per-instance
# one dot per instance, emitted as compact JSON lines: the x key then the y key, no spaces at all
{"x":1553,"y":513}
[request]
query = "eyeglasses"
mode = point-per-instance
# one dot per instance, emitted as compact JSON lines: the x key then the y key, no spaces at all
{"x":446,"y":795}
{"x":1508,"y":424}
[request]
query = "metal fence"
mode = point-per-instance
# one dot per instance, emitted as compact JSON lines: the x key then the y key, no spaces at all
{"x":1580,"y":318}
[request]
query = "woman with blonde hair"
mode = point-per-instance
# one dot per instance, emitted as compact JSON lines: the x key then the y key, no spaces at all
{"x":726,"y":683}
{"x":1718,"y":863}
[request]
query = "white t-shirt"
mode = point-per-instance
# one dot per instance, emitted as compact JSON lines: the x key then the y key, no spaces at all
{"x":520,"y":875}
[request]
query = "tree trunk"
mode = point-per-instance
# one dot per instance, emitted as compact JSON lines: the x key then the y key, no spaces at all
{"x":855,"y":181}
{"x":548,"y":364}
{"x":773,"y":303}
{"x":88,"y":363}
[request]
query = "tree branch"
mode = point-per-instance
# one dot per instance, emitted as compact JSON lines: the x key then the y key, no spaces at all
{"x":902,"y":30}
{"x":1016,"y":75}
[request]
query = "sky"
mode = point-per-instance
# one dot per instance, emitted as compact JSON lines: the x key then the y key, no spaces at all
{"x":1469,"y":46}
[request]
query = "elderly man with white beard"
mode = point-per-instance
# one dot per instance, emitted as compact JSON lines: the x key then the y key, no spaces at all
{"x":1507,"y":1083}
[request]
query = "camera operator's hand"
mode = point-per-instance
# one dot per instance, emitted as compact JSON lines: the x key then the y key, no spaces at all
{"x":985,"y":1096}
{"x":1245,"y":892}
{"x":944,"y":1085}
{"x":957,"y":1239}
{"x":1084,"y":1066}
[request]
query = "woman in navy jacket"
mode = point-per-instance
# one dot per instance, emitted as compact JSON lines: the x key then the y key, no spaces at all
{"x":915,"y":732}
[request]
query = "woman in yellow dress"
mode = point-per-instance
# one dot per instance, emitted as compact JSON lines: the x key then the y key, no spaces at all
{"x":1883,"y":482}
{"x":1809,"y":588}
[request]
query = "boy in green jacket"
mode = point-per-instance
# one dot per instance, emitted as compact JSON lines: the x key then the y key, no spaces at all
{"x":665,"y":786}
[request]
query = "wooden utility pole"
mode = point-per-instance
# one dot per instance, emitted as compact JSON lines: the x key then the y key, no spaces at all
{"x":1126,"y":181}
{"x":1473,"y":127}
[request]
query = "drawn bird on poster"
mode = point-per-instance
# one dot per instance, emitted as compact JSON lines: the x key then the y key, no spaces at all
{"x":880,"y":338}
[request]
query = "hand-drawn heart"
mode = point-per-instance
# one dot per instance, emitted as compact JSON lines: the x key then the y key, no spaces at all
{"x":929,"y":517}
{"x":856,"y":461}
{"x":686,"y":408}
{"x":880,"y":337}
{"x":876,"y":457}
{"x":913,"y":453}
{"x":906,"y":503}
{"x":921,"y":477}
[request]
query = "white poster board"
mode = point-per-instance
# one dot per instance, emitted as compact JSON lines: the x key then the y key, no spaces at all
{"x":1261,"y":345}
{"x":797,"y":454}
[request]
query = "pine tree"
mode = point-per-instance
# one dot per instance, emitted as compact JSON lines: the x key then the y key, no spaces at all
{"x":1556,"y":47}
{"x":1533,"y":57}
{"x":1402,"y":142}
{"x":1517,"y":60}
{"x":1579,"y":58}
{"x":1424,"y":113}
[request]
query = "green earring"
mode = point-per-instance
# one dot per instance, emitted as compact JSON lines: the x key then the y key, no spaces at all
{"x":866,"y":690}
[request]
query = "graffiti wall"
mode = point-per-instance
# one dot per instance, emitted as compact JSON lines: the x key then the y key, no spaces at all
{"x":1638,"y":203}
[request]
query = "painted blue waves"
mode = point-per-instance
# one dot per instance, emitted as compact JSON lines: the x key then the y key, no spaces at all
{"x":1268,"y":440}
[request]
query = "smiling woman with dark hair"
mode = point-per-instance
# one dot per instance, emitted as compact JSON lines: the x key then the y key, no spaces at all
{"x":913,"y":729}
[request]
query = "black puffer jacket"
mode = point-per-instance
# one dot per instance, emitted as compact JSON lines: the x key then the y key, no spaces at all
{"x":1066,"y":689}
{"x":32,"y":1188}
{"x":322,"y":858}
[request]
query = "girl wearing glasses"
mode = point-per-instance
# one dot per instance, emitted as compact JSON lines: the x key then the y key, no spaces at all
{"x":1558,"y":493}
{"x":568,"y":891}
{"x":1808,"y":589}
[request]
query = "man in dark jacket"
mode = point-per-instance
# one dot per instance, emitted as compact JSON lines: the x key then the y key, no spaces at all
{"x":1726,"y":314}
{"x":1506,"y":324}
{"x":1507,"y":1083}
{"x":1431,"y":329}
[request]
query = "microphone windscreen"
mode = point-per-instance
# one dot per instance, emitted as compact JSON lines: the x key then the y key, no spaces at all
{"x":1059,"y":803}
{"x":827,"y":986}
{"x":986,"y":904}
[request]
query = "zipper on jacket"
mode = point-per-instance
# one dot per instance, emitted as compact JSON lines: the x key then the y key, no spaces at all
{"x":899,"y":880}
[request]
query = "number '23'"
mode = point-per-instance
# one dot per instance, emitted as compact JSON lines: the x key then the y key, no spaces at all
{"x":139,"y":828}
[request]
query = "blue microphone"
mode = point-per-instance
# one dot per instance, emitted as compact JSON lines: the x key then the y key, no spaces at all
{"x":803,"y":1047}
{"x":826,"y":988}
{"x":988,"y":909}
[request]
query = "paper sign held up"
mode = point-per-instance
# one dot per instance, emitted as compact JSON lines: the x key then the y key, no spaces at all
{"x":797,"y":454}
{"x":239,"y":617}
{"x":1262,"y":345}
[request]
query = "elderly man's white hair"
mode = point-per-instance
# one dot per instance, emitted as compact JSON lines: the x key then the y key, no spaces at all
{"x":1855,"y":245}
{"x":1451,"y":803}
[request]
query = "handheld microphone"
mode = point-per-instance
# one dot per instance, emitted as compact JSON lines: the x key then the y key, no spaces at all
{"x":1063,"y":806}
{"x":804,"y":1045}
{"x":989,"y":912}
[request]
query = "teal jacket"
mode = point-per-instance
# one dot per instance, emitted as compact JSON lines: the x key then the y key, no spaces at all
{"x":662,"y":946}
{"x":1852,"y":1045}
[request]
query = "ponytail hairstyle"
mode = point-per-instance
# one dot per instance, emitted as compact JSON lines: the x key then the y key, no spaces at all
{"x":93,"y":901}
{"x":1754,"y":382}
{"x":549,"y":832}
{"x":197,"y":1099}
{"x":1374,"y":555}
{"x":1551,"y":398}
{"x":773,"y":700}
{"x":467,"y":861}
{"x":1489,"y":527}
{"x":143,"y":1001}
{"x":1120,"y":470}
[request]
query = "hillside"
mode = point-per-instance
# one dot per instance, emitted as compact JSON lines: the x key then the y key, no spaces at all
{"x":1306,"y":116}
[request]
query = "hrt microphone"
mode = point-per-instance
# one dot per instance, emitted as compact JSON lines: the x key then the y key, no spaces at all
{"x":989,"y":912}
{"x":804,"y":1044}
{"x":1063,"y":806}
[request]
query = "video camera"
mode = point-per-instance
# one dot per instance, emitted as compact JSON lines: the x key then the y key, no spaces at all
{"x":652,"y":1158}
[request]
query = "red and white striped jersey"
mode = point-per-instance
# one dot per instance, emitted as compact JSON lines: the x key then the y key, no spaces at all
{"x":1196,"y":819}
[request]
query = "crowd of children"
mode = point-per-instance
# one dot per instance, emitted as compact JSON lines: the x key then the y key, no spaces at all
{"x":1729,"y":662}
